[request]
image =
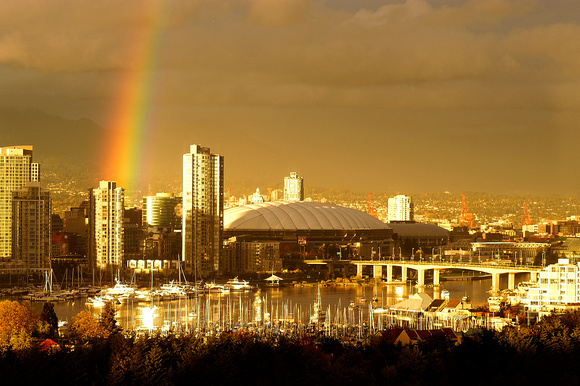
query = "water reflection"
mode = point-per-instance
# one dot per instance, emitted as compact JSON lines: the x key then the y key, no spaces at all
{"x":276,"y":303}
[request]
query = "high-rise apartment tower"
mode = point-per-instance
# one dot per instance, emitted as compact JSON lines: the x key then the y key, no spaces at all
{"x":293,"y":188}
{"x":106,"y":214}
{"x":401,"y":208}
{"x":16,"y":169}
{"x":31,"y":227}
{"x":203,"y":210}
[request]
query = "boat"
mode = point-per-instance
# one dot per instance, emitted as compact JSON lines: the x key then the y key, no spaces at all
{"x":100,"y":301}
{"x":318,"y":314}
{"x":120,"y":289}
{"x":215,"y":288}
{"x":173,"y":290}
{"x":238,"y":285}
{"x":120,"y":292}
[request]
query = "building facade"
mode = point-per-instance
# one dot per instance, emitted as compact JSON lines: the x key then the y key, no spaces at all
{"x":106,"y":232}
{"x":401,"y":208}
{"x":203,"y":211}
{"x":162,"y":211}
{"x":293,"y":188}
{"x":248,"y":257}
{"x":31,"y":227}
{"x":518,"y":253}
{"x":16,"y":169}
{"x":557,"y":289}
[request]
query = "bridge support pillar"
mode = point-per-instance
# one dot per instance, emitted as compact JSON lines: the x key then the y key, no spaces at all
{"x":495,"y":281}
{"x":359,"y":270}
{"x":534,"y":276}
{"x":377,"y":271}
{"x":389,"y":273}
{"x":404,"y":274}
{"x":421,"y":277}
{"x":330,"y":269}
{"x":347,"y":270}
{"x":436,"y":280}
{"x":511,"y":280}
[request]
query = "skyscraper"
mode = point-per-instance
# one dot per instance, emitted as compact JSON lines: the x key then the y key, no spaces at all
{"x":16,"y":169}
{"x":106,"y":214}
{"x":203,"y":210}
{"x":401,"y":208}
{"x":31,"y":226}
{"x":293,"y":188}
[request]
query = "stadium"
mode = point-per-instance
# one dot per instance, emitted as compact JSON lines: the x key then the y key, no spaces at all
{"x":260,"y":237}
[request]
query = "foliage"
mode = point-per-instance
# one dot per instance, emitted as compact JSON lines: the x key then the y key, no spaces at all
{"x":108,"y":322}
{"x":542,"y":353}
{"x":49,"y":321}
{"x":17,"y":322}
{"x":85,"y":326}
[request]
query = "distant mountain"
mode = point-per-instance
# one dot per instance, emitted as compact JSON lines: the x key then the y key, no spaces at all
{"x":59,"y":143}
{"x":51,"y":135}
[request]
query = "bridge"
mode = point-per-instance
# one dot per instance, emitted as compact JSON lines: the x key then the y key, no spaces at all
{"x":421,"y":267}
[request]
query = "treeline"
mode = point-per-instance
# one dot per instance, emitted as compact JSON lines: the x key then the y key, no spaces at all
{"x":544,"y":353}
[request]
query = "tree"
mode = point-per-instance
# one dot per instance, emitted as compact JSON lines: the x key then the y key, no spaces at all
{"x":84,"y":325}
{"x":49,"y":318}
{"x":17,"y":322}
{"x":108,"y":322}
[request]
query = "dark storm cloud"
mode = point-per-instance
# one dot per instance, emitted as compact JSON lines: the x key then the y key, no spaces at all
{"x":347,"y":78}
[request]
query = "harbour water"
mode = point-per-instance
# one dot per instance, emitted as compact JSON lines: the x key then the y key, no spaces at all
{"x":278,"y":303}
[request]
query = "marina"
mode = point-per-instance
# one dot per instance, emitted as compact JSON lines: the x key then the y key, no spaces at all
{"x":335,"y":310}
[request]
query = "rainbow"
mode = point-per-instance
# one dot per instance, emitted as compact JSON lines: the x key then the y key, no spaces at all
{"x":130,"y":120}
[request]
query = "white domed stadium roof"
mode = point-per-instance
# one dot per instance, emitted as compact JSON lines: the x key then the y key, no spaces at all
{"x":303,"y":215}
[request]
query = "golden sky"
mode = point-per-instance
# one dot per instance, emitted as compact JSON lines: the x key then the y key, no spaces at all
{"x":403,"y":96}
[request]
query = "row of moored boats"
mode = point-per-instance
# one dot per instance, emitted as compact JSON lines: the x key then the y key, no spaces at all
{"x":120,"y":293}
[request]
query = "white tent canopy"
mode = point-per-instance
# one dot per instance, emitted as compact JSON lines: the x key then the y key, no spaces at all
{"x":273,"y":278}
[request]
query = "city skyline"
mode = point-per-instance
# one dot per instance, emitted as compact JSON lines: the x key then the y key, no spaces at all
{"x":399,"y":96}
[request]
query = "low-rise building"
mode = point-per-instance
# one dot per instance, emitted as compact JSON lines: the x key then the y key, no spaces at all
{"x":557,"y":289}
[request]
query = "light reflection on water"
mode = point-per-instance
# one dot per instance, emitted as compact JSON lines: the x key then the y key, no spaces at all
{"x":147,"y":316}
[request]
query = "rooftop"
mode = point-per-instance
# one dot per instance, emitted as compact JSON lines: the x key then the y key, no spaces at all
{"x":302,"y":215}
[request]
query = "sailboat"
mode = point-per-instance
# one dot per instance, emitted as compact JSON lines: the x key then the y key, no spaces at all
{"x":46,"y":294}
{"x":318,"y":314}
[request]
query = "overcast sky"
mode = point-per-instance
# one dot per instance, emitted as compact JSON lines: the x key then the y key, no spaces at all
{"x":402,"y":96}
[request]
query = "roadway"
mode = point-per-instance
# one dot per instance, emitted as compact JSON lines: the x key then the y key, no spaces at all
{"x":422,"y":266}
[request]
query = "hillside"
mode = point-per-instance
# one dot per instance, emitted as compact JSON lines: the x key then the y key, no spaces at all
{"x":53,"y":137}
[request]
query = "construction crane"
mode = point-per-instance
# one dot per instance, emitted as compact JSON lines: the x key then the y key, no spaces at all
{"x":526,"y":216}
{"x":370,"y":209}
{"x":465,"y":218}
